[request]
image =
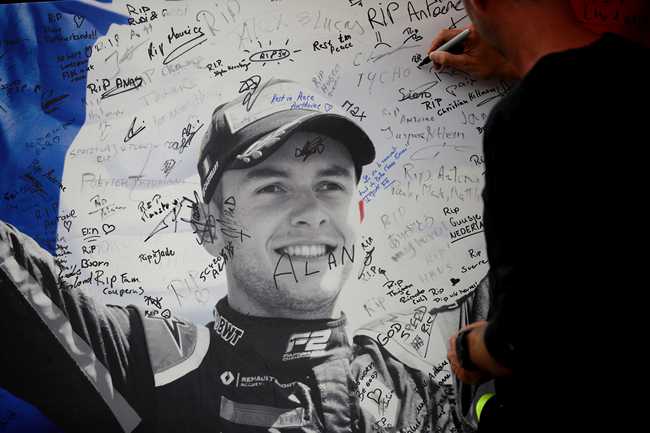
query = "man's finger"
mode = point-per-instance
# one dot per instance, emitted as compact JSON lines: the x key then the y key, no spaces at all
{"x":443,"y":36}
{"x":443,"y":58}
{"x":452,"y":344}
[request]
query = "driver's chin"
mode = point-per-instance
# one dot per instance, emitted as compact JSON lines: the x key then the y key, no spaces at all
{"x":309,"y":283}
{"x":312,"y":292}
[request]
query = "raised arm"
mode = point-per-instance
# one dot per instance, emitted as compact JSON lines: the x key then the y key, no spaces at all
{"x":64,"y":353}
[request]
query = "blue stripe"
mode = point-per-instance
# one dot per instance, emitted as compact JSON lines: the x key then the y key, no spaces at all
{"x":37,"y":100}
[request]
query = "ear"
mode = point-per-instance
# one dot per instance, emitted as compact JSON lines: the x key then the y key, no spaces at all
{"x":205,"y":223}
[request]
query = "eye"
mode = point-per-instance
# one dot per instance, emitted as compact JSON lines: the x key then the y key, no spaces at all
{"x":273,"y":188}
{"x":326,"y":186}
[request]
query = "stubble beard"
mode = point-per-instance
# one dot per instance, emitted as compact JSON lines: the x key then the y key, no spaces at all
{"x":246,"y":277}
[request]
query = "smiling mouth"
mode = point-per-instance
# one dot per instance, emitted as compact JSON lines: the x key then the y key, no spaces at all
{"x":306,"y":251}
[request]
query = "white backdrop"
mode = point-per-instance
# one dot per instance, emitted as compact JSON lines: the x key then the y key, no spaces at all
{"x":179,"y":60}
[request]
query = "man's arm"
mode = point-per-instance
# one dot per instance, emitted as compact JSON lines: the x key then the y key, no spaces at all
{"x":69,"y":356}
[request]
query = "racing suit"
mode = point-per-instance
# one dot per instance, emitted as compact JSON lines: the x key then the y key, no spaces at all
{"x":91,"y":367}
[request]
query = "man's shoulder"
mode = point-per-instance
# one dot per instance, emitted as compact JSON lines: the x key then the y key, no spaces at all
{"x":410,"y":338}
{"x":417,"y":337}
{"x":176,"y":346}
{"x":400,"y":368}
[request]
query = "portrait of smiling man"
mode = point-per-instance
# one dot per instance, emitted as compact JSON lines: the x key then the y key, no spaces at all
{"x":299,"y":213}
{"x":287,"y":175}
{"x":282,"y":166}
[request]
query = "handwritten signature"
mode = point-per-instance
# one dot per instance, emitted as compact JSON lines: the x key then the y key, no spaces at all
{"x":310,"y":148}
{"x":367,"y":261}
{"x":186,"y":138}
{"x":204,"y":227}
{"x":131,"y":133}
{"x":120,"y":87}
{"x":183,"y":48}
{"x":168,"y":165}
{"x":156,"y":301}
{"x":250,"y":86}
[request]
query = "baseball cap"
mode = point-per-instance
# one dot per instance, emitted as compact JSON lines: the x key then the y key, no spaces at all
{"x":244,"y":132}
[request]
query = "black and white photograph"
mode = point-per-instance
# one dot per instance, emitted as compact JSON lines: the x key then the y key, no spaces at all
{"x":305,"y":216}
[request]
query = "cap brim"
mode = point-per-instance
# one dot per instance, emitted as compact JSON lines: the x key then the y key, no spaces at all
{"x":333,"y":125}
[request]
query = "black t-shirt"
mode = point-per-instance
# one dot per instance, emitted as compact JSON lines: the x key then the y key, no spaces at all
{"x":565,"y":156}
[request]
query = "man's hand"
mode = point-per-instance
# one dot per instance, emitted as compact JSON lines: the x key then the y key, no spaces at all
{"x":478,"y":58}
{"x":487,"y":366}
{"x":465,"y":376}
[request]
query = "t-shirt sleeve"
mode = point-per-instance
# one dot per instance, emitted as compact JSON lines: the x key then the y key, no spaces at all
{"x":81,"y":363}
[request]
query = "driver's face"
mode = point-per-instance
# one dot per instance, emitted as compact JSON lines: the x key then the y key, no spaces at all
{"x":299,"y":208}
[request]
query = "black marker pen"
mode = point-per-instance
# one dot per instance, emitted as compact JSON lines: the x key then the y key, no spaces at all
{"x":447,"y":46}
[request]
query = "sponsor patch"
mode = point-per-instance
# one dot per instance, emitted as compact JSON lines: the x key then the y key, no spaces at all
{"x":227,"y":377}
{"x":262,"y":380}
{"x":313,"y":344}
{"x":227,"y":331}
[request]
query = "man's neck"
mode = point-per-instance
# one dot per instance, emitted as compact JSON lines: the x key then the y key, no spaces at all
{"x":243,"y":304}
{"x":543,"y":31}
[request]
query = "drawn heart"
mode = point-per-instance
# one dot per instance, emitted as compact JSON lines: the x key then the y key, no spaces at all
{"x":454,"y":281}
{"x":108,"y":228}
{"x":67,"y":224}
{"x":327,"y":107}
{"x":375,"y":395}
{"x":79,"y":20}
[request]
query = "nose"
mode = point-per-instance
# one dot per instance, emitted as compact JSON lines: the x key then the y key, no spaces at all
{"x":308,"y":211}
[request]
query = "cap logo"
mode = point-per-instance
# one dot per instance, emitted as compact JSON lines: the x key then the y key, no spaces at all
{"x":211,"y":173}
{"x":246,"y":157}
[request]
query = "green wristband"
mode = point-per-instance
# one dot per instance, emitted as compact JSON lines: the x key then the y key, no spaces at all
{"x":480,"y":404}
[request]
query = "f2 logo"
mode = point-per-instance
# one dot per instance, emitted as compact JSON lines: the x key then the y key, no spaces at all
{"x":313,"y":341}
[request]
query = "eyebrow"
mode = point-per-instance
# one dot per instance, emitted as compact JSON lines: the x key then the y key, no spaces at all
{"x":335,"y":170}
{"x":264,"y":172}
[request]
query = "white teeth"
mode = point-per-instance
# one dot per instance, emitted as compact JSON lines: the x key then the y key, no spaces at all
{"x":306,"y":251}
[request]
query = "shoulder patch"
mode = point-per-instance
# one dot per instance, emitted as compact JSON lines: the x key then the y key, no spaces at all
{"x":176,"y":347}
